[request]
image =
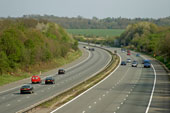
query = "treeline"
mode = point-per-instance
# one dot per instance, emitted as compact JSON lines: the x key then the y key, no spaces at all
{"x":26,"y":42}
{"x":107,"y":41}
{"x":95,"y":23}
{"x":148,"y":38}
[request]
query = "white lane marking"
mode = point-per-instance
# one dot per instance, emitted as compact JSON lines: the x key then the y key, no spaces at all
{"x":121,"y":102}
{"x":153,"y":89}
{"x":100,"y":99}
{"x":80,"y":62}
{"x":89,"y":88}
{"x":126,"y":95}
{"x":89,"y":107}
{"x":104,"y":95}
{"x":125,"y":99}
{"x":95,"y":102}
{"x":51,"y":75}
{"x":83,"y":111}
{"x":118,"y":107}
{"x":8,"y":105}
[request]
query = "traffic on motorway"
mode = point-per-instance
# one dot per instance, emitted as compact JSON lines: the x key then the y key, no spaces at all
{"x":38,"y":88}
{"x":125,"y":90}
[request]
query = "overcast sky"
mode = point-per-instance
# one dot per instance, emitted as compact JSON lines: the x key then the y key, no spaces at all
{"x":87,"y":8}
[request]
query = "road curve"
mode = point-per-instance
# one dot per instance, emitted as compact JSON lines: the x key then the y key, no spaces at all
{"x":127,"y":90}
{"x":12,"y":101}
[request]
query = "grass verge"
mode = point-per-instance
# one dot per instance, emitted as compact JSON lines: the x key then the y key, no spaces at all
{"x":78,"y":89}
{"x":8,"y":78}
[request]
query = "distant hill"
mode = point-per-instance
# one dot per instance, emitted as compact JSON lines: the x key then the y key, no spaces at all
{"x":95,"y":23}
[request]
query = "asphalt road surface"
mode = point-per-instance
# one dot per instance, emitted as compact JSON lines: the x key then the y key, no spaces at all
{"x":12,"y":101}
{"x":127,"y":90}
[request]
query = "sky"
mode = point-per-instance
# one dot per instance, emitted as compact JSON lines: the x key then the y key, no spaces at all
{"x":87,"y":8}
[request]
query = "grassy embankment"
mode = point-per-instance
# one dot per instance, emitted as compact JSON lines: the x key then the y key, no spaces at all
{"x":28,"y":46}
{"x":7,"y":78}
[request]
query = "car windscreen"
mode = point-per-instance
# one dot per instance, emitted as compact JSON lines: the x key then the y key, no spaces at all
{"x":49,"y":78}
{"x":26,"y":86}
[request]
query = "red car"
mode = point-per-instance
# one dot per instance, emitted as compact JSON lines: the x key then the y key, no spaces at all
{"x":36,"y":79}
{"x":128,"y":53}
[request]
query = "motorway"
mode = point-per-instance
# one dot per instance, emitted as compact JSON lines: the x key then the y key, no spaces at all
{"x":12,"y":101}
{"x":127,"y":90}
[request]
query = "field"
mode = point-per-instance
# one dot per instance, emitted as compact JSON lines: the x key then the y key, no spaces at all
{"x":96,"y":32}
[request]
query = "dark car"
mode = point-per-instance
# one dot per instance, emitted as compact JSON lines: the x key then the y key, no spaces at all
{"x":147,"y":63}
{"x":61,"y":71}
{"x":91,"y":49}
{"x":27,"y":89}
{"x":123,"y":63}
{"x":134,"y":64}
{"x":49,"y":80}
{"x":137,"y":55}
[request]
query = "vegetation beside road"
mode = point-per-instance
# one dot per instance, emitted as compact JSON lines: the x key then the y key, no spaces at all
{"x":28,"y":46}
{"x":148,"y":38}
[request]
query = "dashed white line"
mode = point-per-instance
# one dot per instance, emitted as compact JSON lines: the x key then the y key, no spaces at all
{"x":95,"y":102}
{"x":83,"y":111}
{"x":89,"y":107}
{"x":8,"y":105}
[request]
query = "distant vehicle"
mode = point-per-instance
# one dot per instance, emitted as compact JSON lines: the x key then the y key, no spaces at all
{"x":91,"y":49}
{"x":61,"y":71}
{"x":27,"y":89}
{"x":137,"y":55}
{"x":147,"y":63}
{"x":123,"y":63}
{"x":115,"y":51}
{"x":123,"y":49}
{"x":36,"y":79}
{"x":134,"y":64}
{"x":128,"y":60}
{"x":128,"y":52}
{"x":49,"y":80}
